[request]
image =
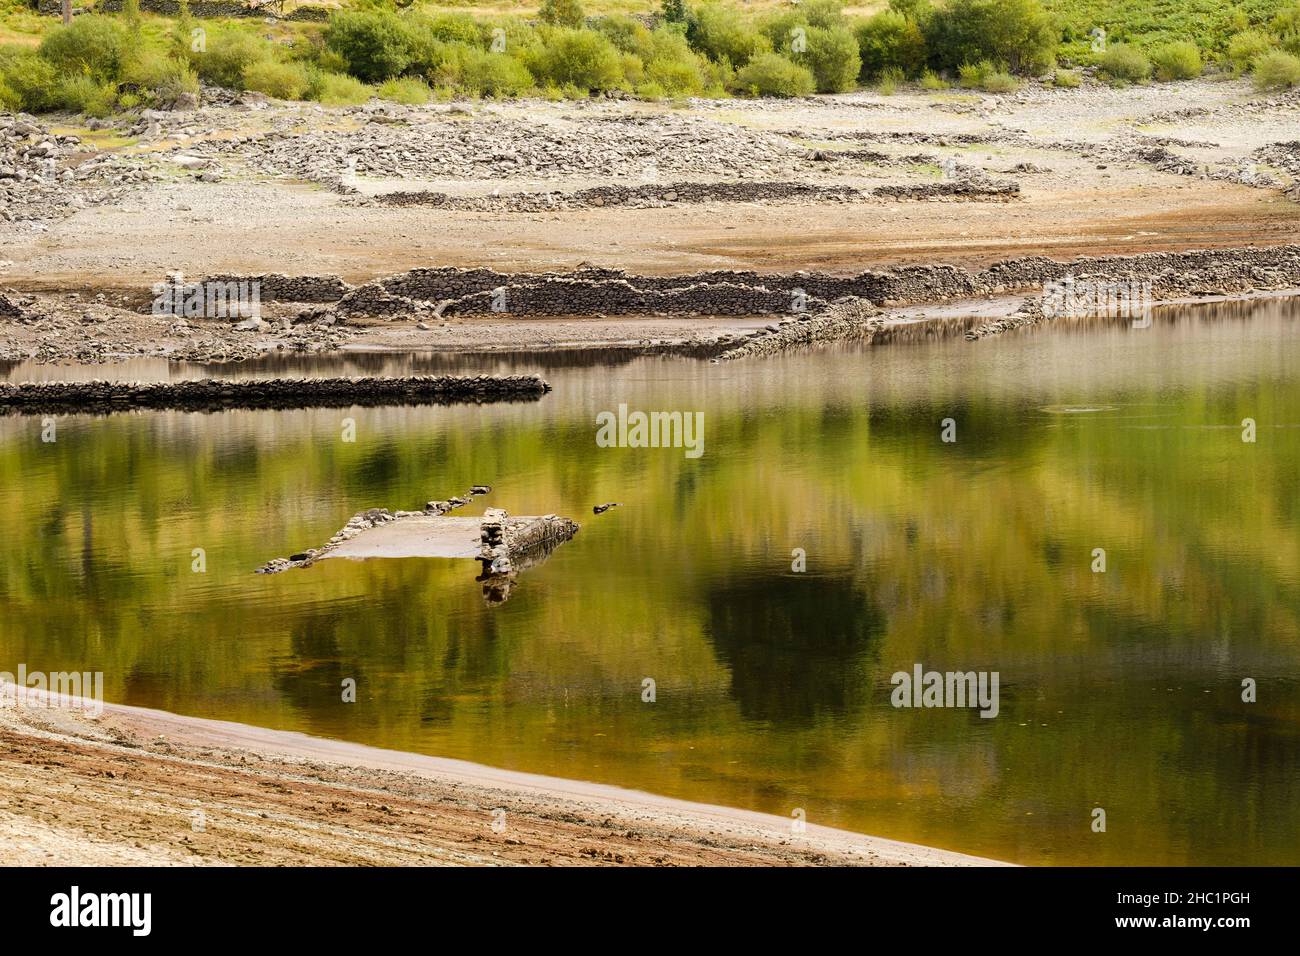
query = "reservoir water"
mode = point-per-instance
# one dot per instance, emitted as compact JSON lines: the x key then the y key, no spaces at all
{"x":1119,"y":689}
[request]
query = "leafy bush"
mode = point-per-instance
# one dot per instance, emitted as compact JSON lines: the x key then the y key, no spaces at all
{"x":1277,"y":70}
{"x":487,"y":74}
{"x":1180,"y":60}
{"x":918,"y":10}
{"x":562,"y":13}
{"x":986,"y":75}
{"x":375,"y":44}
{"x":890,"y":39}
{"x":1286,"y":27}
{"x":832,"y":56}
{"x":583,"y":59}
{"x":407,"y":90}
{"x":673,"y":66}
{"x":674,"y":11}
{"x":447,"y":27}
{"x":779,"y":27}
{"x":10,"y":99}
{"x":92,"y":46}
{"x":1066,"y":79}
{"x":890,"y":78}
{"x":229,"y":54}
{"x":31,"y":77}
{"x":770,"y":74}
{"x":85,"y":94}
{"x":628,"y":34}
{"x":932,"y":81}
{"x":337,"y":89}
{"x":1018,"y":33}
{"x":1244,"y":47}
{"x":167,"y":78}
{"x":1124,"y":62}
{"x":721,"y":33}
{"x":284,"y":81}
{"x":823,"y":14}
{"x":518,"y":35}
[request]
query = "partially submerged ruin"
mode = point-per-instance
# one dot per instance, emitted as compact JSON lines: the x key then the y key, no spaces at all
{"x":219,"y":394}
{"x":503,"y":544}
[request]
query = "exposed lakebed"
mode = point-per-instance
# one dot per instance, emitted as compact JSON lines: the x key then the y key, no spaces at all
{"x":1119,"y":690}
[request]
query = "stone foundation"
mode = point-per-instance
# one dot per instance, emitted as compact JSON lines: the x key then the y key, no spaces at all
{"x":507,"y":540}
{"x":215,"y":394}
{"x":724,"y":292}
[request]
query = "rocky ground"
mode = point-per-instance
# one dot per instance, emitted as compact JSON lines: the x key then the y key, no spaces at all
{"x":242,"y":185}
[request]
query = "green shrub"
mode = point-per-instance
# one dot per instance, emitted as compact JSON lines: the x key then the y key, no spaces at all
{"x":10,"y":99}
{"x":85,"y":94}
{"x":832,"y":56}
{"x":518,"y":35}
{"x":932,"y":81}
{"x":889,"y":80}
{"x":31,"y":77}
{"x":1124,"y":62}
{"x":1066,"y":79}
{"x":770,"y":74}
{"x":490,"y":74}
{"x":1018,"y":33}
{"x":407,"y":90}
{"x":1244,"y":47}
{"x":918,"y":10}
{"x":986,"y":75}
{"x":1277,"y":70}
{"x":674,"y":67}
{"x":721,"y":33}
{"x":1180,"y":60}
{"x":167,"y":78}
{"x":376,"y":44}
{"x":562,"y":13}
{"x":229,"y":54}
{"x":92,"y":46}
{"x":1286,"y":27}
{"x":633,"y":69}
{"x":583,"y":59}
{"x":823,"y":14}
{"x":337,"y":89}
{"x":284,"y":81}
{"x":628,"y":34}
{"x":447,"y":27}
{"x":674,"y":11}
{"x":890,"y":39}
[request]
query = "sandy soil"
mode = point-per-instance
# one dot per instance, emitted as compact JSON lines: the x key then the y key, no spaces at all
{"x":144,"y":787}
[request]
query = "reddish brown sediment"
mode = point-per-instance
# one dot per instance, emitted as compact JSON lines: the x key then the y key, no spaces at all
{"x":145,"y":787}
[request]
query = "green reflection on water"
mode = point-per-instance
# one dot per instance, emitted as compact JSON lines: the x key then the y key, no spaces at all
{"x":1119,"y":690}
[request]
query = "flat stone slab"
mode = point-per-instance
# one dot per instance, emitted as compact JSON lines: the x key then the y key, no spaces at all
{"x":421,"y":536}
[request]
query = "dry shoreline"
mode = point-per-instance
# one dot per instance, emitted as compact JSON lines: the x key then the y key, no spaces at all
{"x":148,"y":787}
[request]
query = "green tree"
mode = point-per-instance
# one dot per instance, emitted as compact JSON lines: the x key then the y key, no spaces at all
{"x":890,"y":39}
{"x":375,"y":44}
{"x":1018,"y":33}
{"x":562,"y":13}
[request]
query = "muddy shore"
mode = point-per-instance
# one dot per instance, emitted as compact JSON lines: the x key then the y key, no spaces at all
{"x":145,"y":787}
